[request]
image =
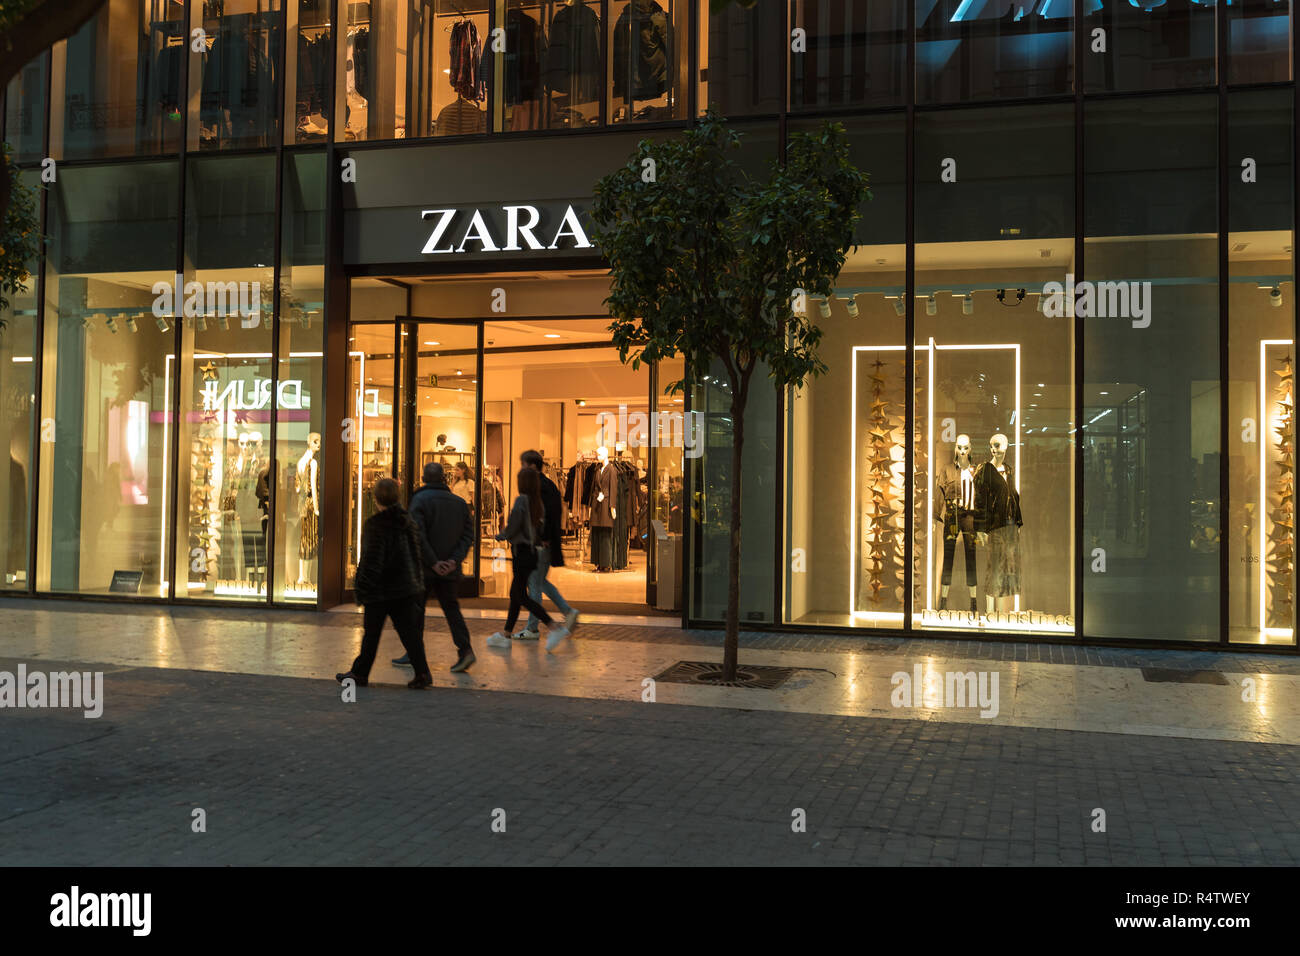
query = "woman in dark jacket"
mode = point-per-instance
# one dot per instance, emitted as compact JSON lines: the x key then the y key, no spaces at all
{"x":390,"y":584}
{"x":524,"y":532}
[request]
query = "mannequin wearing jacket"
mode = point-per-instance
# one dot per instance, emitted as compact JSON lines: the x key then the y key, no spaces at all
{"x":998,"y":505}
{"x":954,"y":508}
{"x":604,"y":509}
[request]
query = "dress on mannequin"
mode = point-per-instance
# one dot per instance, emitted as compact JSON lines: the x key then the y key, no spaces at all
{"x":308,"y":510}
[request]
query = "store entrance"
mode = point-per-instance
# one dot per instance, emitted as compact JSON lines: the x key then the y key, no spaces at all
{"x":474,"y":395}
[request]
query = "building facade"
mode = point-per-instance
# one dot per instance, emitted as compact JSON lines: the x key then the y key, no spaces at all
{"x":1059,"y":397}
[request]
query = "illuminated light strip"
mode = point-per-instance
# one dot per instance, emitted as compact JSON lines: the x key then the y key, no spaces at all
{"x":931,"y":348}
{"x":360,"y":412}
{"x":1265,"y":429}
{"x":163,"y":570}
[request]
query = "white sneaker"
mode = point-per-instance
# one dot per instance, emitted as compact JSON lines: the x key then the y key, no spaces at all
{"x":527,"y":634}
{"x":554,"y":636}
{"x":571,"y":620}
{"x":499,"y":640}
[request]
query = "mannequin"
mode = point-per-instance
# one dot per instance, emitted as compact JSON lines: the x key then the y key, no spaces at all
{"x":248,"y":507}
{"x":603,"y":511}
{"x":954,"y":508}
{"x":998,"y":505}
{"x":309,"y":510}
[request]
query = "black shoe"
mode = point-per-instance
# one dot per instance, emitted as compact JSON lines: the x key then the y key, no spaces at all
{"x":351,"y":676}
{"x":420,"y":682}
{"x":465,"y":663}
{"x":404,"y":659}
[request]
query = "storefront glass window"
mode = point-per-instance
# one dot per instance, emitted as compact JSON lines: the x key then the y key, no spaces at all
{"x":104,"y":479}
{"x":235,"y":80}
{"x":373,"y":444}
{"x":1148,"y":45}
{"x":25,"y":112}
{"x":1259,"y":44}
{"x":712,"y":482}
{"x":1260,"y":528}
{"x":994,"y":509}
{"x":845,"y":431}
{"x":1151,"y":370}
{"x":17,"y":421}
{"x":225,"y":481}
{"x":851,"y":53}
{"x":300,"y":408}
{"x":647,"y":60}
{"x":119,"y":83}
{"x":737,"y":50}
{"x":978,"y":51}
{"x":308,"y":61}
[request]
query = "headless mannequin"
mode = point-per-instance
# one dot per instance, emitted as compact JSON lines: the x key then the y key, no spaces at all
{"x":602,"y":453}
{"x":997,"y":460}
{"x":308,"y":467}
{"x":603,"y":513}
{"x":959,"y":498}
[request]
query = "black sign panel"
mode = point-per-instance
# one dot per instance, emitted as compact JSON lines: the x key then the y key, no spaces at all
{"x":126,"y":582}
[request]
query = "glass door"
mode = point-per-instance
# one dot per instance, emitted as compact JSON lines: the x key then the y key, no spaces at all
{"x":669,"y":440}
{"x":443,"y":407}
{"x":373,"y":451}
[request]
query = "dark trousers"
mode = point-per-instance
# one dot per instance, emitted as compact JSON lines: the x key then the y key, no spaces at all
{"x":519,"y":598}
{"x":408,"y":620}
{"x":949,"y":546}
{"x":444,"y":589}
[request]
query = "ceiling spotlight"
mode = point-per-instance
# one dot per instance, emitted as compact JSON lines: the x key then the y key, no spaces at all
{"x":551,"y":335}
{"x":131,"y":324}
{"x":201,"y":322}
{"x":1275,"y":297}
{"x":899,"y":308}
{"x":223,"y":320}
{"x":112,"y":325}
{"x":967,"y":304}
{"x":824,"y":306}
{"x":581,"y":403}
{"x":931,"y":305}
{"x":1039,"y":304}
{"x":1020,"y":295}
{"x":1002,"y":295}
{"x":304,"y":318}
{"x":162,"y":324}
{"x":851,"y":303}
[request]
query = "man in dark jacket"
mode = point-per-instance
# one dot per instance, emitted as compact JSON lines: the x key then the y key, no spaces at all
{"x":552,"y":556}
{"x":446,"y":535}
{"x":390,"y":584}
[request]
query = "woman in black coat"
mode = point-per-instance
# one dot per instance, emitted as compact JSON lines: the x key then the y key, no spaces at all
{"x":390,"y":584}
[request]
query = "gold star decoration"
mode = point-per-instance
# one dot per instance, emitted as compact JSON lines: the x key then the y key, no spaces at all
{"x":209,"y":372}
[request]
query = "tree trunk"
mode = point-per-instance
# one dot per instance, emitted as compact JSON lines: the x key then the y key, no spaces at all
{"x":731,"y":645}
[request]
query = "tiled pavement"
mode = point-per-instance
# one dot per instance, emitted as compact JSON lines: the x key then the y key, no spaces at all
{"x":289,"y":774}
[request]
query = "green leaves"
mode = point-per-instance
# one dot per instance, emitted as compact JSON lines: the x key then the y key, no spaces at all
{"x":20,"y":237}
{"x":704,"y":260}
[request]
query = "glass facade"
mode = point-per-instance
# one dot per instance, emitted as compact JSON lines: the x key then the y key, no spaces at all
{"x":1059,"y":390}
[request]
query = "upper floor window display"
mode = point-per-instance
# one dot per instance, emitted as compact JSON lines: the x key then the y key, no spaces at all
{"x":235,"y":77}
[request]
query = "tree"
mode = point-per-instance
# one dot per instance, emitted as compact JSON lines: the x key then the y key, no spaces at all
{"x":19,"y":233}
{"x":27,"y":29}
{"x":708,"y":264}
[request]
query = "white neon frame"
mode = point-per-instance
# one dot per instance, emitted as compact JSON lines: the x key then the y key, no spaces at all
{"x":930,"y":349}
{"x":1265,"y":430}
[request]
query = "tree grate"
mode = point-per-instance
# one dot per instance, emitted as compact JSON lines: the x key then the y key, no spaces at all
{"x":709,"y":674}
{"x":1172,"y":675}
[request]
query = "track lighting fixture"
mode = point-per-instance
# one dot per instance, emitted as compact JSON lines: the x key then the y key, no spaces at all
{"x":967,"y":304}
{"x":899,"y":307}
{"x":931,"y":305}
{"x":163,"y":325}
{"x":824,"y":306}
{"x":851,"y":303}
{"x":1275,"y":297}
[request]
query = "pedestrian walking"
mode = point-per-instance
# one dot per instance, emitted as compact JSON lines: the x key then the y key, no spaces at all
{"x":447,"y":533}
{"x":390,"y":585}
{"x":550,"y":554}
{"x":524,"y":530}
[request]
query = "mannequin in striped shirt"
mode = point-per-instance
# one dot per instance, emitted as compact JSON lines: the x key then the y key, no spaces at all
{"x":954,"y":508}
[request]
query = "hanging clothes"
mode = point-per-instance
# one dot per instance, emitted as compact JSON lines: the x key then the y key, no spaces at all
{"x":642,"y":45}
{"x":466,"y":62}
{"x":573,"y":53}
{"x":525,"y":50}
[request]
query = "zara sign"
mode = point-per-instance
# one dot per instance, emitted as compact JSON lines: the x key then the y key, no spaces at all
{"x":503,"y":229}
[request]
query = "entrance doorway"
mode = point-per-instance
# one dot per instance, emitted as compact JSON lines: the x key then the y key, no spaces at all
{"x":474,"y":394}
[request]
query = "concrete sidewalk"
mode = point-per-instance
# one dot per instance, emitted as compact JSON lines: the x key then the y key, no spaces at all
{"x":614,"y":662}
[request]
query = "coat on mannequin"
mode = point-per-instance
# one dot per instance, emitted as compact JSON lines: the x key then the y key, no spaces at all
{"x":999,"y":521}
{"x":603,"y":511}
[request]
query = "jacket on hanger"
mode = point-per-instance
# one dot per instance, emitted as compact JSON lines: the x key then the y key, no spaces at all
{"x":573,"y":53}
{"x":642,"y":44}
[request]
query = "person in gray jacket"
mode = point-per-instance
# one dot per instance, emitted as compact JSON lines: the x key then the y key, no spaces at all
{"x":524,"y":532}
{"x":447,"y":533}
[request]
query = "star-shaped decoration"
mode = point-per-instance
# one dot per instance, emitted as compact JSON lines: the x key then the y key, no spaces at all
{"x":209,"y":372}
